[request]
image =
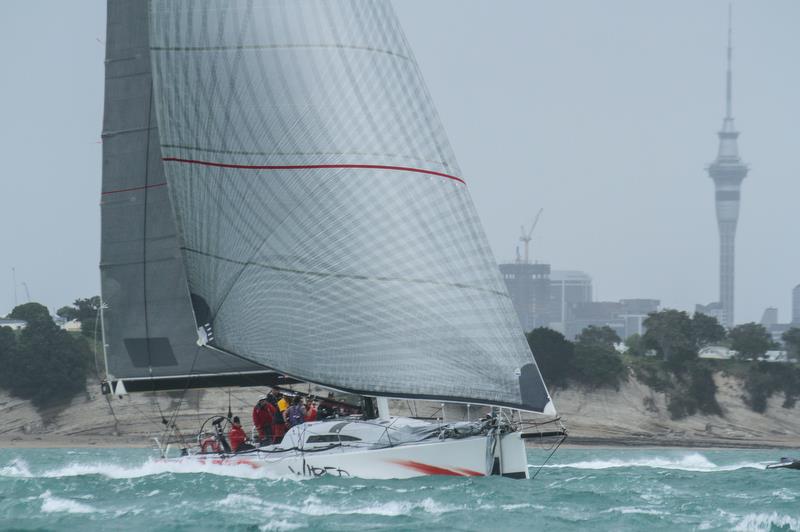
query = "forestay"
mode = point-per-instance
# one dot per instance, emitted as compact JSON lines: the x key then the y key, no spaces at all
{"x":326,"y":229}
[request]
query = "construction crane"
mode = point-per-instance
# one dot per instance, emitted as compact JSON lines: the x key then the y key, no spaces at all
{"x":27,"y":292}
{"x":525,"y":237}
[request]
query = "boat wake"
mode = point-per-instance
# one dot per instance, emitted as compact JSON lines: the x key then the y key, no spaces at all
{"x":18,"y":468}
{"x":695,"y":462}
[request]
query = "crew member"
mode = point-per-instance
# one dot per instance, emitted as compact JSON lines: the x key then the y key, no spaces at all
{"x":237,"y":437}
{"x":295,"y":414}
{"x":283,"y":404}
{"x":278,"y":423}
{"x":311,"y":410}
{"x":262,"y":420}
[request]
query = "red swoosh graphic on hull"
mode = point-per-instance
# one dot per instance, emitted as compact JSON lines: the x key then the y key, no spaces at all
{"x":228,"y":462}
{"x":470,"y":472}
{"x":252,"y":464}
{"x":435,"y":470}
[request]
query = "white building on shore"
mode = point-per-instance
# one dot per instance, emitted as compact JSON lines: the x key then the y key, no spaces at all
{"x":13,"y":323}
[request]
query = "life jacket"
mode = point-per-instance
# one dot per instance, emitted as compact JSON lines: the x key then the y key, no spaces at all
{"x":277,"y":415}
{"x":295,"y":415}
{"x":311,"y":414}
{"x":237,"y":437}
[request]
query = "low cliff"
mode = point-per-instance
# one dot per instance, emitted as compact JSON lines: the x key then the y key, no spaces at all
{"x":637,"y":415}
{"x":633,"y":415}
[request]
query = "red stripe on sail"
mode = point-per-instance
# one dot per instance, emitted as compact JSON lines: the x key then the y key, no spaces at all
{"x":315,"y":167}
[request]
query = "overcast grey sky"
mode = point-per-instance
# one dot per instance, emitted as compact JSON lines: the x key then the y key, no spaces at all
{"x":604,"y":113}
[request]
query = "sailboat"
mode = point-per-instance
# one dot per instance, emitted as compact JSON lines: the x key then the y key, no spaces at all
{"x":281,"y":204}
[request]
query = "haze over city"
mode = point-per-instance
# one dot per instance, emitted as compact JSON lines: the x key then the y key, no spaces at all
{"x":604,"y":114}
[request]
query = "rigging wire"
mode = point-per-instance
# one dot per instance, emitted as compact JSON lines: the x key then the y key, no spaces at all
{"x":549,"y":456}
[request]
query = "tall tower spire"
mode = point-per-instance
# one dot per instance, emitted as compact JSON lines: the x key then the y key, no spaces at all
{"x":728,"y":75}
{"x":727,"y":171}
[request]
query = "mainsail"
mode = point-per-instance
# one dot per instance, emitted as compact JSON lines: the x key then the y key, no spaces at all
{"x":149,"y":329}
{"x":325,"y":226}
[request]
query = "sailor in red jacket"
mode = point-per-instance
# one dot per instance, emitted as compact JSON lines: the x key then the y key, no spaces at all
{"x":278,"y":421}
{"x":262,"y":419}
{"x":311,"y":410}
{"x":237,"y":437}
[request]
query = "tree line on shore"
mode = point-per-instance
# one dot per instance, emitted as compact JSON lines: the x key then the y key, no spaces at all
{"x":666,"y":358}
{"x":44,"y":363}
{"x":49,"y":366}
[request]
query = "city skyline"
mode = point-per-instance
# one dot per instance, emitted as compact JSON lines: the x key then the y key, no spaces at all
{"x":603,"y":115}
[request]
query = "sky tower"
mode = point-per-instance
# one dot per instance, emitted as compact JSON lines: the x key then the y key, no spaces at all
{"x":727,"y":171}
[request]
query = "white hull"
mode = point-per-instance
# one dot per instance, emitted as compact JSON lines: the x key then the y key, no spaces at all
{"x":468,"y":456}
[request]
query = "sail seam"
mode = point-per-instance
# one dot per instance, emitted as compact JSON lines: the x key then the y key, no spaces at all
{"x":276,"y":47}
{"x":107,"y":134}
{"x":344,"y":275}
{"x":134,"y":189}
{"x":315,"y":167}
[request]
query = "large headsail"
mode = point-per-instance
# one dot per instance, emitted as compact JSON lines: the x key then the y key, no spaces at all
{"x":324,"y":222}
{"x":149,"y":328}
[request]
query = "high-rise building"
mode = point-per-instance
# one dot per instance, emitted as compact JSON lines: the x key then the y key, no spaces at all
{"x":596,"y":313}
{"x":796,"y":305}
{"x":634,"y":312}
{"x":625,"y":317}
{"x":727,"y":171}
{"x":529,"y":288}
{"x":567,"y":288}
{"x":769,"y":317}
{"x":712,"y":309}
{"x":773,"y":326}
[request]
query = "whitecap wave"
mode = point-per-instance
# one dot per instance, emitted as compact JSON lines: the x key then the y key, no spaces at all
{"x":634,"y":510}
{"x":280,"y":525}
{"x":518,"y":506}
{"x":17,"y":468}
{"x":314,"y":506}
{"x":151,"y":467}
{"x":764,"y":521}
{"x":695,"y":462}
{"x":785,"y":494}
{"x":53,"y":504}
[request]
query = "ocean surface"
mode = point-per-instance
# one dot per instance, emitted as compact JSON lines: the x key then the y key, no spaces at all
{"x":605,"y":489}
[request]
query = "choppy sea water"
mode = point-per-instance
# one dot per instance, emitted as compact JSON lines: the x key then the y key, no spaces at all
{"x":605,"y":489}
